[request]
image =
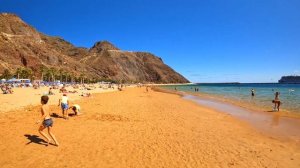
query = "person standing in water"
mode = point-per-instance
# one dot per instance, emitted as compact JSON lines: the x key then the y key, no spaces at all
{"x":252,"y":92}
{"x":47,"y":121}
{"x":276,"y":101}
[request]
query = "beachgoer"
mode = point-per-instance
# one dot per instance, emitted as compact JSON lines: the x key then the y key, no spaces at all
{"x":276,"y":101}
{"x":47,"y":121}
{"x":63,"y":90}
{"x":86,"y":94}
{"x":252,"y":92}
{"x":76,"y":109}
{"x":64,"y":104}
{"x":50,"y":91}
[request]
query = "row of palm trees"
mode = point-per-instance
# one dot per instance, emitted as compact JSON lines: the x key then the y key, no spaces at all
{"x":52,"y":74}
{"x":47,"y":74}
{"x":19,"y":73}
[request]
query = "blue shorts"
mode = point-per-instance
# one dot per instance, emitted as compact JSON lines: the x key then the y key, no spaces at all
{"x":64,"y":106}
{"x":48,"y":122}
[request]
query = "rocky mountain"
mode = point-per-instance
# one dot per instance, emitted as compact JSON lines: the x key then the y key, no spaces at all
{"x":23,"y":46}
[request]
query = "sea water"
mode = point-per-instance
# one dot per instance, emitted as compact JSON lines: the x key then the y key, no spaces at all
{"x":241,"y":92}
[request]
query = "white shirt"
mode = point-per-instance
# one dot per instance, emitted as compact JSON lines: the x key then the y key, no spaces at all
{"x":64,"y":99}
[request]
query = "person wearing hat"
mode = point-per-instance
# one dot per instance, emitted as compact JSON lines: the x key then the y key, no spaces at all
{"x":64,"y":104}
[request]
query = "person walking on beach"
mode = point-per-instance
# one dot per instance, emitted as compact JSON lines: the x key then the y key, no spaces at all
{"x":64,"y":104}
{"x":47,"y":121}
{"x":276,"y":101}
{"x":252,"y":92}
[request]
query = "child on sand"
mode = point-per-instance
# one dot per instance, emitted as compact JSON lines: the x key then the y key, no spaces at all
{"x":47,"y":121}
{"x":64,"y":104}
{"x":76,"y":109}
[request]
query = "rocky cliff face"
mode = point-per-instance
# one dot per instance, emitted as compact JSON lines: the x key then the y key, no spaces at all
{"x":22,"y":46}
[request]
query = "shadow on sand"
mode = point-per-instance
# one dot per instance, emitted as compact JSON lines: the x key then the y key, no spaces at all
{"x":54,"y":115}
{"x":35,"y":139}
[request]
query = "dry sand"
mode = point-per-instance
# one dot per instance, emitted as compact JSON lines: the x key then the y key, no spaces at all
{"x":134,"y":128}
{"x":24,"y":97}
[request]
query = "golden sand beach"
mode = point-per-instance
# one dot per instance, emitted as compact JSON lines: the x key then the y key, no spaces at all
{"x":24,"y":97}
{"x":135,"y":128}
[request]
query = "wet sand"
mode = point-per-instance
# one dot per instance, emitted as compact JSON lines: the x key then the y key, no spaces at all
{"x":135,"y":128}
{"x":248,"y":105}
{"x":272,"y":123}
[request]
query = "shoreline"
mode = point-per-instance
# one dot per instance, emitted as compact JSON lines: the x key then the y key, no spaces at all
{"x":273,"y":123}
{"x":247,"y":105}
{"x":241,"y":103}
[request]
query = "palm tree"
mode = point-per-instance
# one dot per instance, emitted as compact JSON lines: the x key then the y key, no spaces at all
{"x":18,"y":72}
{"x":61,"y":71}
{"x":81,"y":78}
{"x":43,"y":70}
{"x":28,"y":73}
{"x":72,"y":77}
{"x":66,"y":76}
{"x":53,"y":73}
{"x":6,"y":74}
{"x":48,"y":74}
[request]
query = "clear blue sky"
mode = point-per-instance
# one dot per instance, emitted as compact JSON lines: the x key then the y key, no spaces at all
{"x":205,"y":40}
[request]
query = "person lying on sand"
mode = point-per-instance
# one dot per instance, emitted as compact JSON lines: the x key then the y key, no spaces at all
{"x":76,"y":109}
{"x":64,"y":104}
{"x":35,"y":86}
{"x":120,"y":87}
{"x":3,"y":89}
{"x":86,"y":94}
{"x":63,"y":90}
{"x":47,"y":121}
{"x":7,"y":90}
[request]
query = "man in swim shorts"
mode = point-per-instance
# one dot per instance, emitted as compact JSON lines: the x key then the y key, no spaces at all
{"x":47,"y":121}
{"x":64,"y":104}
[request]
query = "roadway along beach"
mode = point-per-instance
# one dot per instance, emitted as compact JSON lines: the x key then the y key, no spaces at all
{"x":135,"y":128}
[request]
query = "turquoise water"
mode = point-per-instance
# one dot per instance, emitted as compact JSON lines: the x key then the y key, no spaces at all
{"x":264,"y":93}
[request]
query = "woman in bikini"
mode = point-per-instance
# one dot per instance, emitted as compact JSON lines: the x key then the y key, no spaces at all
{"x":276,"y":101}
